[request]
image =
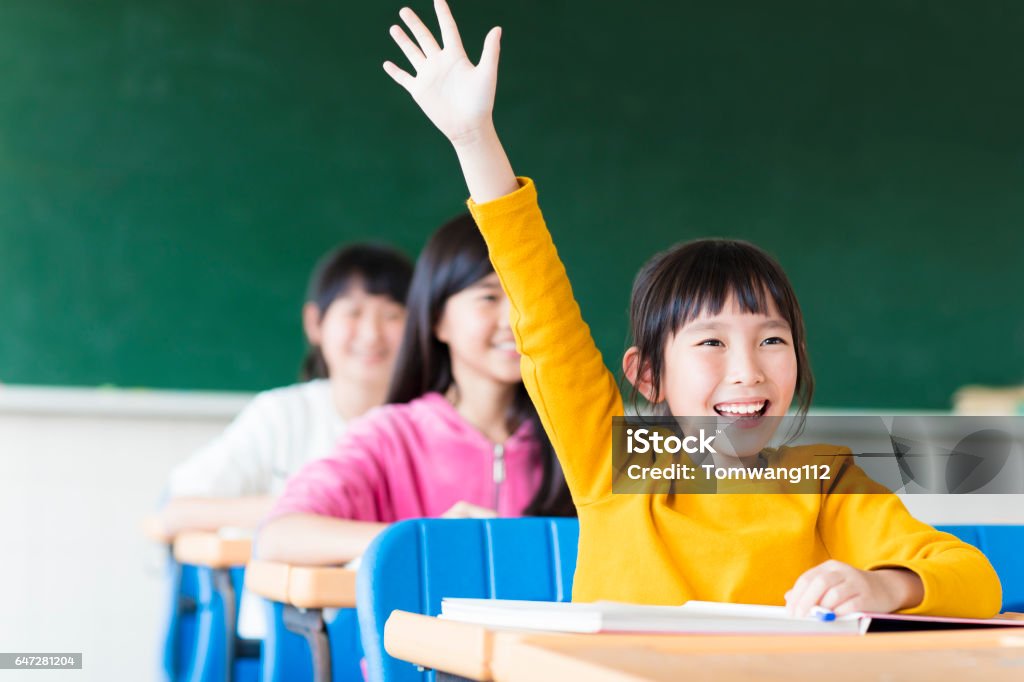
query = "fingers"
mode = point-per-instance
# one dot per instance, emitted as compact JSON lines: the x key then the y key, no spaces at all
{"x":457,"y":511}
{"x":839,"y":595}
{"x":467,"y":510}
{"x":492,"y":48}
{"x":422,"y":34}
{"x":411,"y":51}
{"x":483,"y":513}
{"x":812,"y":593}
{"x":399,"y":76}
{"x":449,"y":29}
{"x":811,"y":587}
{"x":851,"y":605}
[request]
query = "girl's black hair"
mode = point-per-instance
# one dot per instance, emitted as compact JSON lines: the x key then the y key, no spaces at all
{"x":676,"y":286}
{"x":454,"y":259}
{"x":377,"y":269}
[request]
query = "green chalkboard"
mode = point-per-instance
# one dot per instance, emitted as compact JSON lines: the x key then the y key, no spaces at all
{"x":170,"y":170}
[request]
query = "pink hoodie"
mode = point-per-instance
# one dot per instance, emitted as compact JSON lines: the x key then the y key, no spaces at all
{"x":412,"y":460}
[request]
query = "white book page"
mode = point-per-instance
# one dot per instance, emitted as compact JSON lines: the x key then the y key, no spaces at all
{"x":727,"y":610}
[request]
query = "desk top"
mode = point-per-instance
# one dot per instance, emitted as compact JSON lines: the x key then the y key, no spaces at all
{"x":479,"y":653}
{"x":206,"y":548}
{"x":998,"y":658}
{"x":308,"y":587}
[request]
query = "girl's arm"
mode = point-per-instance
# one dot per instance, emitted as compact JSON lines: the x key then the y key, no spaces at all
{"x":574,"y":393}
{"x":314,"y":540}
{"x":329,"y":511}
{"x":909,"y":565}
{"x":211,"y":513}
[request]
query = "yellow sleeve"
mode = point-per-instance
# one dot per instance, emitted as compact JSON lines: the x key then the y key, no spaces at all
{"x":867,"y":526}
{"x":575,"y":394}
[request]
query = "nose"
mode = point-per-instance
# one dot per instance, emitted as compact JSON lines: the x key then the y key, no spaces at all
{"x":505,"y":313}
{"x":368,"y":331}
{"x":744,"y":368}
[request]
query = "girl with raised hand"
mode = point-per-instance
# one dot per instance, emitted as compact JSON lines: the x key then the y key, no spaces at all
{"x":459,"y":436}
{"x":353,"y":319}
{"x":718,"y":333}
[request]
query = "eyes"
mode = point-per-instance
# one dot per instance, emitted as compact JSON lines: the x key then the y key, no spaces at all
{"x":389,"y":314}
{"x":770,"y":341}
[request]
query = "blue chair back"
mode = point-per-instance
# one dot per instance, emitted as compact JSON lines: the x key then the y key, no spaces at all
{"x":179,"y":639}
{"x":219,"y":655}
{"x":414,"y":563}
{"x":1004,"y":547}
{"x":287,"y":656}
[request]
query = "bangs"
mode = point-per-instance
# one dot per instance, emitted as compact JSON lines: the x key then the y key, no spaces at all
{"x":377,"y":270}
{"x":456,"y":259}
{"x":375,"y":282}
{"x":702,"y":283}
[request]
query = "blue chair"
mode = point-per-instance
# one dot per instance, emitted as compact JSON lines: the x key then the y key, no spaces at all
{"x":180,"y":634}
{"x":415,"y":563}
{"x":309,"y":645}
{"x":220,"y":655}
{"x":1004,"y":547}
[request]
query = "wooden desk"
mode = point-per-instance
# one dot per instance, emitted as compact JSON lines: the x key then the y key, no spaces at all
{"x":211,"y":549}
{"x":479,"y":653}
{"x":307,"y":587}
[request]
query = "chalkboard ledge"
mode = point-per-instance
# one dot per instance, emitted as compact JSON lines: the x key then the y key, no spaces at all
{"x":119,"y":402}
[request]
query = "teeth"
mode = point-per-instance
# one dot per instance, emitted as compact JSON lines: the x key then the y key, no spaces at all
{"x":511,"y":345}
{"x":741,"y":409}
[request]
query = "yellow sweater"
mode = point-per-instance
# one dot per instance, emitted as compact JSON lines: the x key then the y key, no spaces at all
{"x":662,"y":549}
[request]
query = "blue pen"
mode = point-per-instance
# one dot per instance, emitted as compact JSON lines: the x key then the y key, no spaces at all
{"x":823,"y":614}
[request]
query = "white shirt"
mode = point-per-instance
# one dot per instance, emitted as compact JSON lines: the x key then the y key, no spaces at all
{"x":271,"y":439}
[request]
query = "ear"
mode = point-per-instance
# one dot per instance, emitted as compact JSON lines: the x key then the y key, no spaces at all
{"x":311,"y":323}
{"x":441,"y":330}
{"x":639,"y":376}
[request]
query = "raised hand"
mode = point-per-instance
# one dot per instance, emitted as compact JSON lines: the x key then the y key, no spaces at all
{"x":456,"y":96}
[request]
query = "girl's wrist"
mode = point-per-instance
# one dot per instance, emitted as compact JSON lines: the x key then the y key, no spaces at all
{"x":485,"y":165}
{"x":907,"y":586}
{"x":482,"y":136}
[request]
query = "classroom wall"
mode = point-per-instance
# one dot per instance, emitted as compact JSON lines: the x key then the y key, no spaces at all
{"x":170,"y":170}
{"x":78,"y":473}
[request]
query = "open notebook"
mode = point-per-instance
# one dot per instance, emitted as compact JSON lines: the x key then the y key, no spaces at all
{"x":692,"y":617}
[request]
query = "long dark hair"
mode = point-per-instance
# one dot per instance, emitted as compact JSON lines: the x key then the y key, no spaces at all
{"x":676,"y":286}
{"x":454,"y":259}
{"x":379,"y":270}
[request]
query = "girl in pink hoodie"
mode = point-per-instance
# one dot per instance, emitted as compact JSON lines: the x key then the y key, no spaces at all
{"x":458,"y":437}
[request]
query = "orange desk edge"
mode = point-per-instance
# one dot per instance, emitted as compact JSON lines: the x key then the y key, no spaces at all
{"x":307,"y":587}
{"x":205,"y":548}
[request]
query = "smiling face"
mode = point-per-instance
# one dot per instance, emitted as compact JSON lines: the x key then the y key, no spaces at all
{"x":733,"y":364}
{"x":475,"y":326}
{"x":359,"y":335}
